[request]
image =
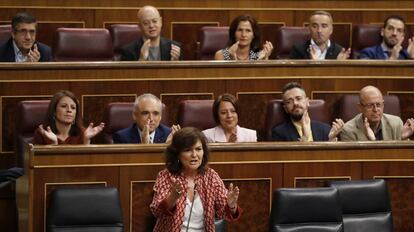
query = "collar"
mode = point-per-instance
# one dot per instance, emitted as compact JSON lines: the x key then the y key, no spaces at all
{"x":385,"y":49}
{"x":18,"y":55}
{"x":321,"y":55}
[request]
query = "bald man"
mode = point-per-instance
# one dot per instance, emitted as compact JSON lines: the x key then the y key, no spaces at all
{"x":151,"y":46}
{"x":372,"y":124}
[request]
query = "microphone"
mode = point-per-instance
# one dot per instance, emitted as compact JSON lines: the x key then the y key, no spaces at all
{"x":191,"y":207}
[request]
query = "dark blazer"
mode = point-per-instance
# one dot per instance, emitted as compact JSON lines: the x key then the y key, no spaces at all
{"x":301,"y":51}
{"x":288,"y":132}
{"x":131,"y":51}
{"x":377,"y":53}
{"x":7,"y":52}
{"x":131,"y":135}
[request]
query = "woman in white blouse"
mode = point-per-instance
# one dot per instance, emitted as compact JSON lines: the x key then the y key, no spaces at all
{"x":226,"y":115}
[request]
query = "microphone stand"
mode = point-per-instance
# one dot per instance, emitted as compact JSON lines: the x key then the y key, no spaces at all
{"x":191,"y":207}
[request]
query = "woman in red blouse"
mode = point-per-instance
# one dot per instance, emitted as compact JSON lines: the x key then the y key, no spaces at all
{"x":187,"y":194}
{"x":63,"y":123}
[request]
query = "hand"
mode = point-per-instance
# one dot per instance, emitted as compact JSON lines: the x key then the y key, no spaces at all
{"x":175,"y":190}
{"x":344,"y":54}
{"x":410,"y":48}
{"x":233,"y":50}
{"x":395,"y":52}
{"x":145,"y":138}
{"x":144,"y":53}
{"x":337,"y":126}
{"x":266,"y":51}
{"x":48,"y":133}
{"x":233,"y":137}
{"x":368,"y":131}
{"x":91,"y":132}
{"x":312,"y":52}
{"x":408,"y":129}
{"x":33,"y":55}
{"x":175,"y":52}
{"x":232,"y":197}
{"x":306,"y":127}
{"x":174,"y":129}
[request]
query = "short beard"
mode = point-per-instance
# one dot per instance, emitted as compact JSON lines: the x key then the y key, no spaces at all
{"x":388,"y":44}
{"x":296,"y":117}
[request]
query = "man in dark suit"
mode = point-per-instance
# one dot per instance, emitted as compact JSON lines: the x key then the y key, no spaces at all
{"x":320,"y":47}
{"x":299,"y":126}
{"x":147,"y":129}
{"x":22,"y":46}
{"x":392,"y":34}
{"x":151,"y":46}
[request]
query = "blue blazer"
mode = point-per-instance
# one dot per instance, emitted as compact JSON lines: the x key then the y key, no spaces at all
{"x":288,"y":132}
{"x":7,"y":52}
{"x":131,"y":51}
{"x":131,"y":135}
{"x":377,"y":53}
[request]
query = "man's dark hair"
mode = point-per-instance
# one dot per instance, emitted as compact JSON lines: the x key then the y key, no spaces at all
{"x":396,"y":17}
{"x":22,"y":17}
{"x":291,"y":85}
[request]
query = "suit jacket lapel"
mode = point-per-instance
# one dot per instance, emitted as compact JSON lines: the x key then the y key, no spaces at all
{"x":164,"y":49}
{"x":291,"y":130}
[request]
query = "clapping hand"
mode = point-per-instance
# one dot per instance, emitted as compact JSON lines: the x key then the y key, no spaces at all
{"x":175,"y":52}
{"x":368,"y":131}
{"x":232,"y":197}
{"x":408,"y":129}
{"x":233,"y":50}
{"x":33,"y":55}
{"x":344,"y":54}
{"x":395,"y":52}
{"x":48,"y":133}
{"x":306,"y":127}
{"x":337,"y":126}
{"x":174,"y":129}
{"x":144,"y":53}
{"x":266,"y":51}
{"x":91,"y":132}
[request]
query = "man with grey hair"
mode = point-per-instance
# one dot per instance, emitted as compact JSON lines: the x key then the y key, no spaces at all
{"x":151,"y":46}
{"x":147,"y":128}
{"x":372,"y":124}
{"x":320,"y":47}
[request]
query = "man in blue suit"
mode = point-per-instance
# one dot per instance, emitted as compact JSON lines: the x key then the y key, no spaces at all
{"x":147,"y":129}
{"x":299,"y":126}
{"x":22,"y":46}
{"x":392,"y":34}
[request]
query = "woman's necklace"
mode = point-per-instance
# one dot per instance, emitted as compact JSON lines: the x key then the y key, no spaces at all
{"x":242,"y":58}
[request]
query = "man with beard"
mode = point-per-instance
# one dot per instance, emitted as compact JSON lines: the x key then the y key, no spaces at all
{"x":372,"y":124}
{"x":392,"y":34}
{"x":299,"y":126}
{"x":151,"y":46}
{"x":320,"y":47}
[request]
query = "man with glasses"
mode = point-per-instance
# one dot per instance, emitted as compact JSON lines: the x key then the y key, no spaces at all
{"x":392,"y":34}
{"x":22,"y":46}
{"x":151,"y":46}
{"x":372,"y":124}
{"x":299,"y":126}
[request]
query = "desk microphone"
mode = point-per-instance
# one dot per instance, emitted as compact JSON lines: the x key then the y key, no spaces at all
{"x":191,"y":207}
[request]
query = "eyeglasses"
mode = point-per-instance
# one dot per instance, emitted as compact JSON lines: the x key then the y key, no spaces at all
{"x":147,"y":23}
{"x":291,"y":101}
{"x":371,"y":106}
{"x":25,"y":31}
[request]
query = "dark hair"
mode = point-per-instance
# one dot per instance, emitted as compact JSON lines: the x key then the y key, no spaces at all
{"x":50,"y":116}
{"x":257,"y":39}
{"x":183,"y":139}
{"x":396,"y":17}
{"x":22,"y":17}
{"x":291,"y":85}
{"x":322,"y":12}
{"x":227,"y":98}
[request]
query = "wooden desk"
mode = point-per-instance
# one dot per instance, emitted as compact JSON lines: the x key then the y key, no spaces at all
{"x":254,"y":83}
{"x":257,"y":168}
